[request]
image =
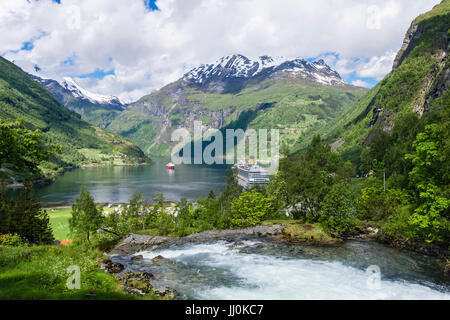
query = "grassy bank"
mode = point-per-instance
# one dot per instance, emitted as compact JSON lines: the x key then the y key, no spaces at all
{"x":298,"y":231}
{"x":40,"y":272}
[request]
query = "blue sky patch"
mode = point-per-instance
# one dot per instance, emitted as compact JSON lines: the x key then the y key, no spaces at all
{"x":151,"y":5}
{"x":97,"y":74}
{"x":28,"y":45}
{"x":69,"y":61}
{"x":353,"y":77}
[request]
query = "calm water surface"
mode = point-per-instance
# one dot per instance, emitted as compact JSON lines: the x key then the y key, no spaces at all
{"x":117,"y":184}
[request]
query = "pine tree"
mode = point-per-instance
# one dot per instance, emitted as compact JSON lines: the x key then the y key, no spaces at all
{"x":86,"y":218}
{"x":6,"y":211}
{"x":29,"y":220}
{"x":211,"y":194}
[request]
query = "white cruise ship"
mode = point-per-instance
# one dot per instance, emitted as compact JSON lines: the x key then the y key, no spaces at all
{"x":250,"y":173}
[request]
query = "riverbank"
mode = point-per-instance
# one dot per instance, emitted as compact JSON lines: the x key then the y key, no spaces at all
{"x":292,"y":231}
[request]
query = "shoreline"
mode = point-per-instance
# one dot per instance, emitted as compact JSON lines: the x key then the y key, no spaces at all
{"x":50,"y":178}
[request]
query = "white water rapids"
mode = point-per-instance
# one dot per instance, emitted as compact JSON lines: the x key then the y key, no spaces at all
{"x":227,"y":273}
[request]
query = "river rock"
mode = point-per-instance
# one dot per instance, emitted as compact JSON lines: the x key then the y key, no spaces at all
{"x":141,"y":283}
{"x":135,"y":243}
{"x":112,"y":267}
{"x":159,"y":260}
{"x":236,"y":244}
{"x":137,"y":259}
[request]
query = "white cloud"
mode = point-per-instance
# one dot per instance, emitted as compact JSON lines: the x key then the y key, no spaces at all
{"x":361,"y":83}
{"x":149,"y":49}
{"x":375,"y":67}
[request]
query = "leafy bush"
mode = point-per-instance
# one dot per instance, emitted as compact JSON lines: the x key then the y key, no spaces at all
{"x":249,"y":209}
{"x":12,"y":240}
{"x":338,"y":210}
{"x":396,"y":226}
{"x":377,"y":204}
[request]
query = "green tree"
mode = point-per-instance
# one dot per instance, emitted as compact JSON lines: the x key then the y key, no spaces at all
{"x":430,"y":179}
{"x":6,"y":210}
{"x":306,"y":178}
{"x":186,"y":218}
{"x":25,"y":217}
{"x":211,"y":194}
{"x":249,"y":209}
{"x":31,"y":222}
{"x":137,"y":211}
{"x":338,"y":209}
{"x":86,"y":218}
{"x":21,"y":148}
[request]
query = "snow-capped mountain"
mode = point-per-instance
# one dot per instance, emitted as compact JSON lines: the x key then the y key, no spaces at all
{"x":69,"y":91}
{"x":79,"y":92}
{"x":241,"y":68}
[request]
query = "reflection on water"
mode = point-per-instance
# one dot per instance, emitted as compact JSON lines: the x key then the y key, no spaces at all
{"x":117,"y":184}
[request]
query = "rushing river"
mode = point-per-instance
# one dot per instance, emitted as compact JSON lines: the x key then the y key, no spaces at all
{"x":265,"y":269}
{"x":117,"y":184}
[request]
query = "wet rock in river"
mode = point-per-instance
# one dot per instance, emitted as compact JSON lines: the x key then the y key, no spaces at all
{"x":112,"y":267}
{"x":159,"y":260}
{"x":236,"y":244}
{"x":137,"y":259}
{"x":141,"y":283}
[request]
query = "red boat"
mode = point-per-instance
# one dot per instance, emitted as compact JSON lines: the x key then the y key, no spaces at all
{"x":170,"y":165}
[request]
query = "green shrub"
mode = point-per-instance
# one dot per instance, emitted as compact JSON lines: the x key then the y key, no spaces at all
{"x":249,"y":209}
{"x":396,"y":226}
{"x":12,"y":240}
{"x":338,"y":210}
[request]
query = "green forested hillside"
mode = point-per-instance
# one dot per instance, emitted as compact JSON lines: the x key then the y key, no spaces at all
{"x":399,"y":136}
{"x":414,"y":94}
{"x":80,"y":143}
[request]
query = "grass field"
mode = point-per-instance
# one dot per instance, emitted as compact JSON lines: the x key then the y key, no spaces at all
{"x":59,"y":220}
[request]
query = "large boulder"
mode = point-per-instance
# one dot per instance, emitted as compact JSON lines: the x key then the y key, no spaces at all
{"x":134,"y":243}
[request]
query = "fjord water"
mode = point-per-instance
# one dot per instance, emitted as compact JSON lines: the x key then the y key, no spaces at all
{"x":117,"y":184}
{"x":266,"y":269}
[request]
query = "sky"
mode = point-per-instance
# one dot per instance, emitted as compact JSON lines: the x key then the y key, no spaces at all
{"x":129,"y":48}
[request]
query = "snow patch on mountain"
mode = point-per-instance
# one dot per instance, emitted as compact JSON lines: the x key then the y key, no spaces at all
{"x":78,"y":92}
{"x":240,"y":67}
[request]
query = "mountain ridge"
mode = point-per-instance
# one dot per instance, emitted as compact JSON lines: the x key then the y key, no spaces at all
{"x":239,"y":67}
{"x":81,"y":143}
{"x":303,"y":95}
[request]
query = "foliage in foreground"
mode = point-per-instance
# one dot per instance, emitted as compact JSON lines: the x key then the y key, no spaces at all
{"x":25,"y":217}
{"x":40,"y":272}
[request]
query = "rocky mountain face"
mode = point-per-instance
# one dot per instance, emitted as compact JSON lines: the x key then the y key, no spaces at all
{"x":416,"y":87}
{"x":426,"y":40}
{"x":69,"y":90}
{"x":296,"y":96}
{"x":94,"y":108}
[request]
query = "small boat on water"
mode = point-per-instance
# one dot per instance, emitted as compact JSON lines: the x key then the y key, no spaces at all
{"x":170,"y":165}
